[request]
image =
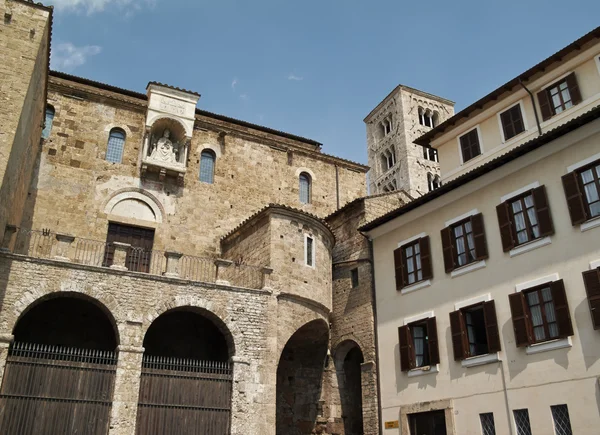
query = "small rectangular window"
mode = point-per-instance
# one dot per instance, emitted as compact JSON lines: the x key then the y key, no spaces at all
{"x":474,"y":331}
{"x":469,"y":145}
{"x":309,"y":254}
{"x":512,"y":122}
{"x":412,"y":254}
{"x":354,"y":277}
{"x":420,"y":344}
{"x":562,"y":422}
{"x":464,"y":243}
{"x":522,"y":421}
{"x":590,"y":180}
{"x":412,"y":262}
{"x":487,"y":423}
{"x":543,"y":315}
{"x":559,"y":96}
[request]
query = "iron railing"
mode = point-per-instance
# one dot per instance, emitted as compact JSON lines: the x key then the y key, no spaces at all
{"x":62,"y":353}
{"x":46,"y":244}
{"x":186,"y":365}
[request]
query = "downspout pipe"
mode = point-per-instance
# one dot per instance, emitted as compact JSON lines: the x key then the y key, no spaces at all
{"x":535,"y":112}
{"x":337,"y":186}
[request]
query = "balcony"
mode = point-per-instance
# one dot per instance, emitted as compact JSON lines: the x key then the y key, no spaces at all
{"x":115,"y":256}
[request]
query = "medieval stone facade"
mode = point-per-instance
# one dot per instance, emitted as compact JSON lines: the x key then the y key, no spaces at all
{"x":192,"y":273}
{"x":396,"y":162}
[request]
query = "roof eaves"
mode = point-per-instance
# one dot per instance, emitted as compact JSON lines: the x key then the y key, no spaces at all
{"x":172,"y":87}
{"x":508,"y":86}
{"x":479,"y":171}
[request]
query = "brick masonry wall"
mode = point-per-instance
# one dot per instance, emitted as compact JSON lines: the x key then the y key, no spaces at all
{"x":252,"y":171}
{"x":352,"y":322}
{"x":24,"y":45}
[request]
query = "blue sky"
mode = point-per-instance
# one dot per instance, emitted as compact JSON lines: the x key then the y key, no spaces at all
{"x":313,"y":68}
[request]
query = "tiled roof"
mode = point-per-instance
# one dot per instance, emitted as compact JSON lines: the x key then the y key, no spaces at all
{"x":172,"y":87}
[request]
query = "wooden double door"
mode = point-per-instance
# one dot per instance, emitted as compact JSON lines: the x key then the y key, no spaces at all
{"x":139,"y":256}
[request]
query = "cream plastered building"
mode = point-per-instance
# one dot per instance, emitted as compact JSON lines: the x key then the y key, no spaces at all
{"x":488,"y":288}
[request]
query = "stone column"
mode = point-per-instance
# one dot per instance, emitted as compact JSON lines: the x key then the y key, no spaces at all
{"x":221,"y":266}
{"x":120,"y":255}
{"x":7,"y":238}
{"x":239,"y":399}
{"x":5,"y":341}
{"x":368,"y":376}
{"x":123,"y":413}
{"x":172,"y":264}
{"x":63,"y":246}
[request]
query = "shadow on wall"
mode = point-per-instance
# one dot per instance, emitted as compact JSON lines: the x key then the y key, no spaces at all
{"x":348,"y":372}
{"x":402,"y":379}
{"x":583,"y":322}
{"x":300,"y":379}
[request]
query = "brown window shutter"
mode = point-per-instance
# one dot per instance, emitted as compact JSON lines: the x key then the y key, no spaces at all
{"x":460,"y":344}
{"x":426,"y":267}
{"x":577,"y":209}
{"x":491,"y":326}
{"x":518,"y":310}
{"x":432,"y":341}
{"x":506,"y":226}
{"x":399,"y":267}
{"x":573,"y":88}
{"x":561,"y":306}
{"x":545,"y":107}
{"x":448,"y":249}
{"x":542,"y":209}
{"x":481,"y":251}
{"x":407,"y":360}
{"x":591,"y":279}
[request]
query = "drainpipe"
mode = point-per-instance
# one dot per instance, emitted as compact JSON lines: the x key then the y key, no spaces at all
{"x":506,"y":402}
{"x":537,"y":119}
{"x":337,"y":187}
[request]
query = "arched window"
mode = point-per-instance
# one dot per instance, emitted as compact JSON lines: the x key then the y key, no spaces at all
{"x":207,"y":166}
{"x":437,"y":183}
{"x":116,"y":142}
{"x":305,"y":187}
{"x":430,"y":182}
{"x":48,"y":122}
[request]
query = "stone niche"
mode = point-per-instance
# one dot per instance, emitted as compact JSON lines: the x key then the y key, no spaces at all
{"x":168,"y":133}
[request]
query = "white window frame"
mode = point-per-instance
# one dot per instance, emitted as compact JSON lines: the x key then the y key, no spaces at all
{"x":593,"y":222}
{"x":314,"y":250}
{"x":523,"y":116}
{"x":481,"y":148}
{"x":420,"y":371}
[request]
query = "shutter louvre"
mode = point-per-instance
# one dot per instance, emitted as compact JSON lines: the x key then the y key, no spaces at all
{"x":481,"y":251}
{"x":448,"y":249}
{"x":518,"y":310}
{"x":406,"y":352}
{"x":399,"y":268}
{"x":426,"y":266}
{"x":460,"y":343}
{"x":506,"y":226}
{"x":542,"y":209}
{"x":561,"y":307}
{"x":577,"y":210}
{"x":573,"y":88}
{"x":591,"y":279}
{"x":432,"y":341}
{"x":491,"y":326}
{"x":545,"y":107}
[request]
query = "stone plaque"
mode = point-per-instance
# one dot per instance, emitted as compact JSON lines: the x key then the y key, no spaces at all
{"x":172,"y":106}
{"x":392,"y":424}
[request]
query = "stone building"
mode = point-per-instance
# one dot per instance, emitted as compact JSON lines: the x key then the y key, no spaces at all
{"x":169,"y":270}
{"x":396,"y":162}
{"x":488,"y":288}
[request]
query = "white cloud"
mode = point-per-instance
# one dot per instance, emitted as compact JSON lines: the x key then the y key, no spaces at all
{"x":295,"y":77}
{"x":91,"y":6}
{"x":67,"y":57}
{"x":244,"y":97}
{"x":234,"y":83}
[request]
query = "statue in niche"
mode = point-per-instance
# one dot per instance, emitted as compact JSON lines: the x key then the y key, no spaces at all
{"x":164,"y":150}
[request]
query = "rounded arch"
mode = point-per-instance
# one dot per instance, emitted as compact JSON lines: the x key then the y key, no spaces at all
{"x":207,"y":146}
{"x":308,"y":171}
{"x":200,"y":307}
{"x":189,"y":332}
{"x":158,"y":122}
{"x":305,"y":187}
{"x":208,"y":159}
{"x":341,"y":349}
{"x":70,"y":319}
{"x":135,"y":195}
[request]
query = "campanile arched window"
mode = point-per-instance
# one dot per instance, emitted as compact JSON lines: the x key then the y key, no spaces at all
{"x":48,"y":122}
{"x":207,"y":166}
{"x":116,"y":143}
{"x":305,"y":188}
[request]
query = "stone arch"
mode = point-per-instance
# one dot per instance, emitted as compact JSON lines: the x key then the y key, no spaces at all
{"x":207,"y":146}
{"x":159,"y":122}
{"x":139,"y":199}
{"x":32,"y":300}
{"x":343,"y":344}
{"x":311,"y":173}
{"x":294,"y":314}
{"x":109,"y":127}
{"x":201,"y":306}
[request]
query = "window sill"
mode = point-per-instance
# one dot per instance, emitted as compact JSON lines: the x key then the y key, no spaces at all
{"x":530,"y":246}
{"x":548,"y":346}
{"x":480,"y":360}
{"x":468,"y":268}
{"x":593,"y":223}
{"x":416,"y":286}
{"x":425,"y":370}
